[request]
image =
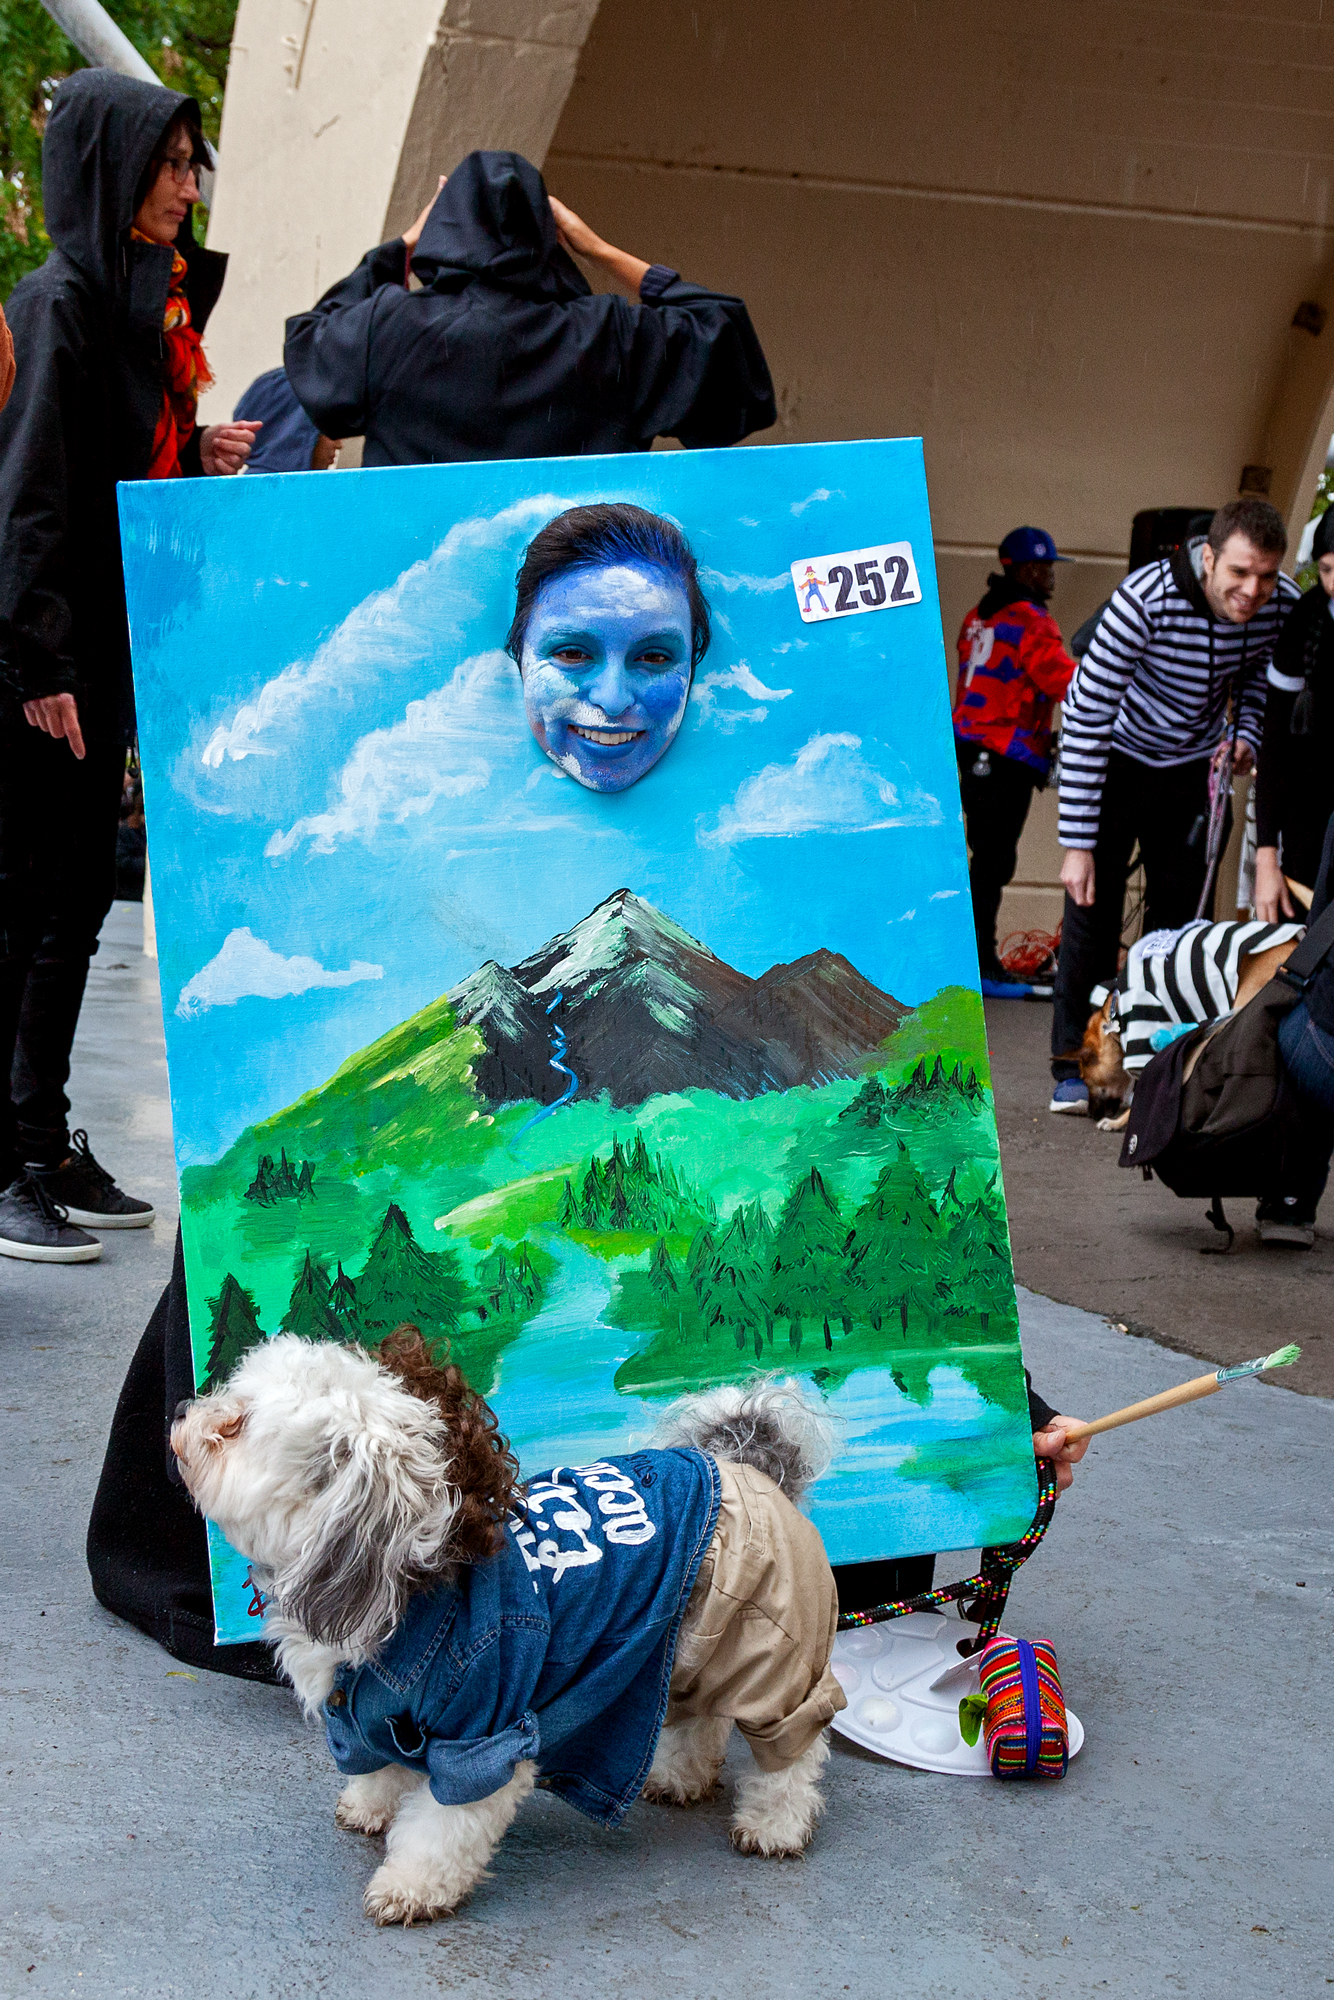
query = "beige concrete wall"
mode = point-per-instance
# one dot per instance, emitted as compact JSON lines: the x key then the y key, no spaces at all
{"x":1066,"y":253}
{"x":339,"y":116}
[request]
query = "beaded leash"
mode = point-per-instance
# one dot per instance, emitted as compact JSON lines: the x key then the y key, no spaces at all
{"x":989,"y":1589}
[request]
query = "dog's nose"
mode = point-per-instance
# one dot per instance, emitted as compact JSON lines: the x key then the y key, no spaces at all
{"x":181,"y":1409}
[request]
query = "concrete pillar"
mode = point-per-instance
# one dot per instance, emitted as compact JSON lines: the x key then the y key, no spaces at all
{"x":338,"y":119}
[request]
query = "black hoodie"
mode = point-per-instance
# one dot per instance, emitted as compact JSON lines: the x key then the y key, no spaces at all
{"x":506,"y":353}
{"x":88,"y":343}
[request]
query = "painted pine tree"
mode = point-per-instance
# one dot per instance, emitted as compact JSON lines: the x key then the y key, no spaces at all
{"x":809,"y":1275}
{"x":308,"y":1308}
{"x":235,"y":1329}
{"x":401,"y":1281}
{"x":342,"y":1304}
{"x":699,"y":1257}
{"x":508,"y":1285}
{"x":662,"y":1273}
{"x":890,"y":1246}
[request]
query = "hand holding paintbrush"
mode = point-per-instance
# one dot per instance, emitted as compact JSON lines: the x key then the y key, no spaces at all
{"x":1185,"y":1392}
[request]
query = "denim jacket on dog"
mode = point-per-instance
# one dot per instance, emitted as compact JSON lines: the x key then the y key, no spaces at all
{"x":559,"y":1648}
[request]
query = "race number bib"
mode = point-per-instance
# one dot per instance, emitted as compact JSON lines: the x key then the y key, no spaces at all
{"x":840,"y":586}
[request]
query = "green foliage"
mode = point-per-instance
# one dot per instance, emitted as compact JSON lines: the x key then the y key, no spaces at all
{"x":308,"y":1312}
{"x":951,"y":1026}
{"x":508,"y":1283}
{"x":910,"y":1284}
{"x":809,"y":1272}
{"x":630,"y":1190}
{"x":930,"y":1087}
{"x":186,"y":41}
{"x":662,"y":1273}
{"x":889,"y":1250}
{"x":281,"y":1183}
{"x":343,"y":1306}
{"x":233,"y":1327}
{"x":401,"y":1281}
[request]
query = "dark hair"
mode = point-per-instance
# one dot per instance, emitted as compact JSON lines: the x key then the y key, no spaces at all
{"x":1261,"y":524}
{"x":1322,"y":543}
{"x":185,"y":121}
{"x":591,"y":537}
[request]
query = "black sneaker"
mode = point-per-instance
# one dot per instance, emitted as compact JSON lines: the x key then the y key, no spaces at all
{"x":89,"y":1193}
{"x":1286,"y":1219}
{"x":37,"y":1229}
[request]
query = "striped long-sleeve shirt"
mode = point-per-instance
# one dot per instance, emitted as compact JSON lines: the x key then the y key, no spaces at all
{"x":1155,"y":684}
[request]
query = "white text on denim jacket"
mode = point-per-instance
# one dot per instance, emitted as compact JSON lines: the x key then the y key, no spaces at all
{"x":558,"y":1532}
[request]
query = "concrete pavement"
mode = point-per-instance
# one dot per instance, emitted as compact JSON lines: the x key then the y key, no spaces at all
{"x":171,"y":1834}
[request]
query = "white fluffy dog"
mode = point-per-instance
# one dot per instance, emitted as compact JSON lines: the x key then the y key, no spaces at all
{"x":359,"y":1486}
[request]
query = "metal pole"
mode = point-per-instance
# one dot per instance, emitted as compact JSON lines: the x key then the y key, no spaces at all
{"x":96,"y":36}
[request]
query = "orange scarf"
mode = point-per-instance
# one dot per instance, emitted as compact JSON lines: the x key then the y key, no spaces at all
{"x":186,"y":371}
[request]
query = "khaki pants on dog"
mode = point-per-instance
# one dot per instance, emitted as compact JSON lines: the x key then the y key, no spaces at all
{"x":760,"y":1625}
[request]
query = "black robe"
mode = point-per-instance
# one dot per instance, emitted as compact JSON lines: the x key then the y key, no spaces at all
{"x":506,"y":353}
{"x":1294,"y":783}
{"x":87,"y":333}
{"x":147,"y":1547}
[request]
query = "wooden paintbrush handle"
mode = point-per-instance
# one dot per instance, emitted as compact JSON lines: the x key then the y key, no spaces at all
{"x":1185,"y":1392}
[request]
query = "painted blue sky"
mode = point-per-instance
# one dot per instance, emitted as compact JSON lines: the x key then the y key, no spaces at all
{"x":346,"y":810}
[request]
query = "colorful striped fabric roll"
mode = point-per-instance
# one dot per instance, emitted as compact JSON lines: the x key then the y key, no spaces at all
{"x":1024,"y":1727}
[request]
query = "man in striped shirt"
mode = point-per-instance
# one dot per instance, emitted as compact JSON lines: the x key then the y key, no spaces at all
{"x":1180,"y":640}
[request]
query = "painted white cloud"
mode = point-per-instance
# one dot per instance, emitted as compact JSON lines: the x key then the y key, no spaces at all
{"x":730,"y":581}
{"x":726,"y":716}
{"x":437,"y":750}
{"x":820,"y":493}
{"x":247,"y":968}
{"x":828,"y":787}
{"x":388,"y":633}
{"x":942,"y":895}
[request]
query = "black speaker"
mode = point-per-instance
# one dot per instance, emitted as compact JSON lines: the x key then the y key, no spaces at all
{"x":1156,"y":531}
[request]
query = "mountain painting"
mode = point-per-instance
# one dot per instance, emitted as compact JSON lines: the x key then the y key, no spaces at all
{"x":621,"y":1064}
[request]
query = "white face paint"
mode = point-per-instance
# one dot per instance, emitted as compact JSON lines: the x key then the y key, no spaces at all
{"x":606,"y":670}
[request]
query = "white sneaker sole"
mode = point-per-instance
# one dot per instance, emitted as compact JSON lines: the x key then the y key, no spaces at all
{"x":48,"y":1253}
{"x":1291,"y":1234}
{"x":1060,"y":1110}
{"x":85,"y":1218}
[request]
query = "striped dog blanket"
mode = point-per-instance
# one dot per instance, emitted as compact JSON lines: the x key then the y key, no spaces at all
{"x":1186,"y":975}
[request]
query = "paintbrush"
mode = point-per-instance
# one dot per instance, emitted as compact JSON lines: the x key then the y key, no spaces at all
{"x":1185,"y":1392}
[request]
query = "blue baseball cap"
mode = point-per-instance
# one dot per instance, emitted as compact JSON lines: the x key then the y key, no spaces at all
{"x":1023,"y":545}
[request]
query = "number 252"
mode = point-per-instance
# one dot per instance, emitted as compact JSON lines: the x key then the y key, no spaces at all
{"x":870,"y":585}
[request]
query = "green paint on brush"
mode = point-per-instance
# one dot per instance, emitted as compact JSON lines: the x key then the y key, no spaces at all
{"x":1282,"y":1357}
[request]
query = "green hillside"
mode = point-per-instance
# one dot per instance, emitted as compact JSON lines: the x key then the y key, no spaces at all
{"x":732,"y":1231}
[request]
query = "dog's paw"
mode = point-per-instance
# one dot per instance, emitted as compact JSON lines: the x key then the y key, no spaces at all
{"x":368,"y":1803}
{"x":1114,"y":1124}
{"x":396,"y":1896}
{"x":774,"y":1842}
{"x":666,"y":1790}
{"x":356,"y":1816}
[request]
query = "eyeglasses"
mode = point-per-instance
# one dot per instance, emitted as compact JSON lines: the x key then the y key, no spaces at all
{"x":180,"y":166}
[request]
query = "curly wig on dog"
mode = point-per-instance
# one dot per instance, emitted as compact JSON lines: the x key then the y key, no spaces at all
{"x":481,"y":1463}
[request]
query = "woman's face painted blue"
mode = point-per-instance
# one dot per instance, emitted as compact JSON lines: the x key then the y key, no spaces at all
{"x":606,"y":670}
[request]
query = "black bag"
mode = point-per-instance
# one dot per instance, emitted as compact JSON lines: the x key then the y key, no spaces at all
{"x":1236,"y":1125}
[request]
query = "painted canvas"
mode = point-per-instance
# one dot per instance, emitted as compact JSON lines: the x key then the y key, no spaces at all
{"x":582,"y":968}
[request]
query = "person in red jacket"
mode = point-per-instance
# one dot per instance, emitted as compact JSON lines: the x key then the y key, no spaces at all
{"x":1013,"y":669}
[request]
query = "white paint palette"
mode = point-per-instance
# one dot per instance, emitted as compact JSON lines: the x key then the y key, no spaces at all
{"x":904,"y":1681}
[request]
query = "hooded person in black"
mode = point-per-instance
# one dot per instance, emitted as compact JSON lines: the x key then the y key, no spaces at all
{"x":89,"y":407}
{"x":505,"y":351}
